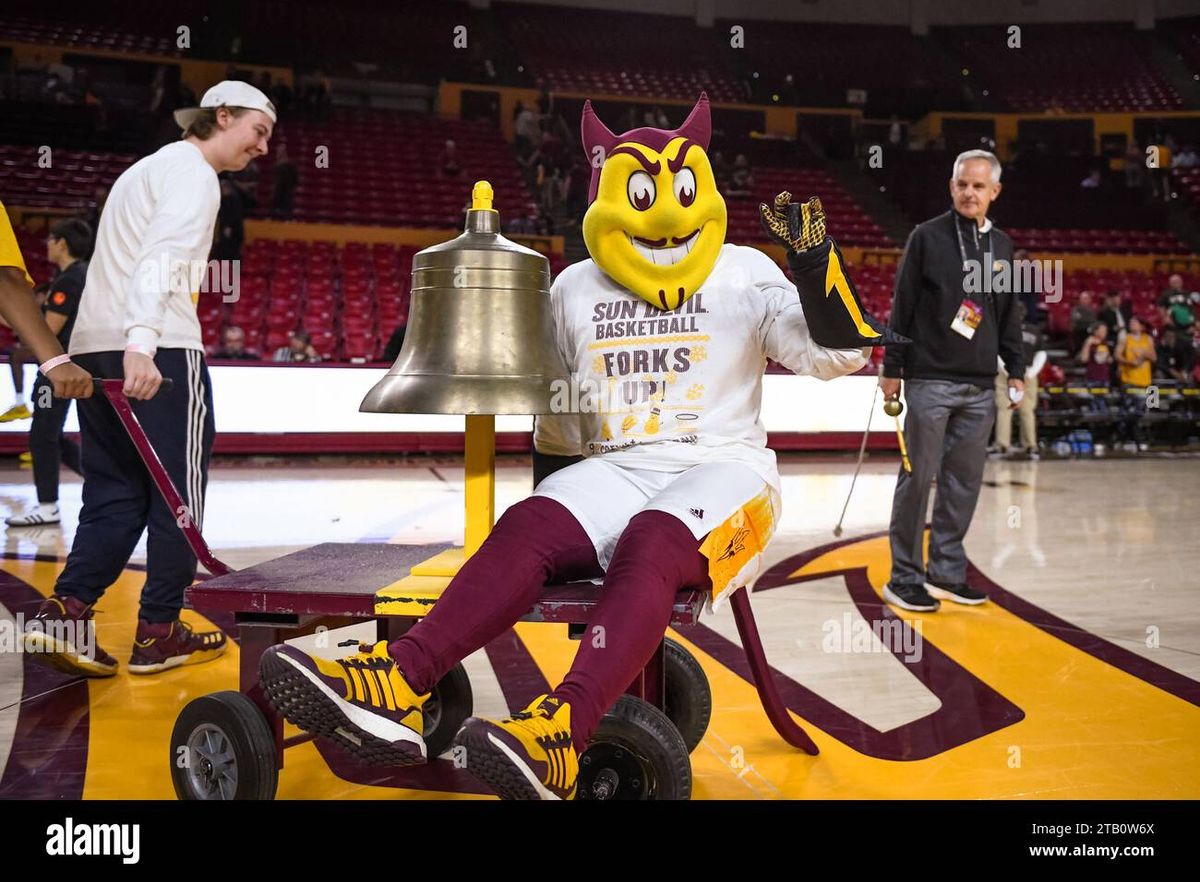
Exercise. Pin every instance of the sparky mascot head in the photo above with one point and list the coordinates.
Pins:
(656, 222)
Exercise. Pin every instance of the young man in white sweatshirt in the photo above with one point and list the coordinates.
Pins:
(137, 319)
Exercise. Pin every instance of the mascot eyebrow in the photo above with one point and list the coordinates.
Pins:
(673, 165)
(652, 167)
(676, 164)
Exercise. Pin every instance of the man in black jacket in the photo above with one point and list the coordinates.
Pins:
(946, 300)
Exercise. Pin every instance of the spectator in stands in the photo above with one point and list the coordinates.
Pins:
(525, 226)
(550, 189)
(741, 180)
(1136, 355)
(1179, 314)
(1096, 355)
(448, 163)
(1034, 355)
(629, 119)
(655, 118)
(1034, 311)
(1135, 166)
(1083, 316)
(99, 110)
(721, 171)
(395, 343)
(281, 96)
(1175, 361)
(528, 132)
(1160, 172)
(99, 197)
(1175, 305)
(318, 92)
(287, 177)
(299, 349)
(233, 346)
(1186, 158)
(245, 182)
(1115, 314)
(551, 145)
(231, 225)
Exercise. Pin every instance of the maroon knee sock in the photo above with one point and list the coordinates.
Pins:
(655, 557)
(536, 541)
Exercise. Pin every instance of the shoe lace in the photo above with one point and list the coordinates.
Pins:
(542, 725)
(364, 658)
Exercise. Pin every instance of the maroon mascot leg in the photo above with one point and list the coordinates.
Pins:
(655, 557)
(536, 541)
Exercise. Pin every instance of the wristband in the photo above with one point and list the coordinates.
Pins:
(137, 347)
(53, 363)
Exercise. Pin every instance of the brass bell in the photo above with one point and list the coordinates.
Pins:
(480, 336)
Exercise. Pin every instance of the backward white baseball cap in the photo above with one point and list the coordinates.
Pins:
(229, 93)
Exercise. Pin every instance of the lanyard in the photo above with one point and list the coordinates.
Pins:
(962, 250)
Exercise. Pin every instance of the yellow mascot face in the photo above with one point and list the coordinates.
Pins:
(656, 223)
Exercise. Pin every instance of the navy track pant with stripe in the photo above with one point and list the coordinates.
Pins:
(119, 498)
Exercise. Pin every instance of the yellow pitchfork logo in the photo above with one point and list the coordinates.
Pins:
(835, 277)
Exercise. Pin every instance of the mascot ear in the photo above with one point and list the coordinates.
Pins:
(594, 133)
(598, 142)
(698, 126)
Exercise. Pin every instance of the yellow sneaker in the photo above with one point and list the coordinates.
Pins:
(528, 756)
(361, 701)
(16, 412)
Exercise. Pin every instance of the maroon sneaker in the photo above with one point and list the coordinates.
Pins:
(62, 635)
(159, 647)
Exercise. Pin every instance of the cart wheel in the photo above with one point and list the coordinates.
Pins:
(636, 753)
(222, 748)
(688, 699)
(446, 709)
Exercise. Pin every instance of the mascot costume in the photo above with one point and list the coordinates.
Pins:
(670, 329)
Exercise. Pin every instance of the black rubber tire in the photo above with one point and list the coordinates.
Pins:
(449, 704)
(636, 753)
(235, 727)
(688, 697)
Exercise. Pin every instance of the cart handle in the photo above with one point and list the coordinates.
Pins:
(112, 390)
(101, 384)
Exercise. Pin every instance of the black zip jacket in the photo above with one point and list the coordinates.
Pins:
(930, 287)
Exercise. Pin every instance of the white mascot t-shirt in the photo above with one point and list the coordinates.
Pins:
(666, 391)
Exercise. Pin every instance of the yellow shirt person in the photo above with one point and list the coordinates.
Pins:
(1135, 356)
(10, 252)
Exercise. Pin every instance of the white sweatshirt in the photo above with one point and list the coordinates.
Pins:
(155, 234)
(680, 388)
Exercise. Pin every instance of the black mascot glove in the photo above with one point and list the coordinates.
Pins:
(835, 314)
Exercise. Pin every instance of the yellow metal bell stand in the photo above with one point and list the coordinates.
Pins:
(479, 462)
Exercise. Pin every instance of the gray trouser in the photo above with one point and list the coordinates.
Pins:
(947, 432)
